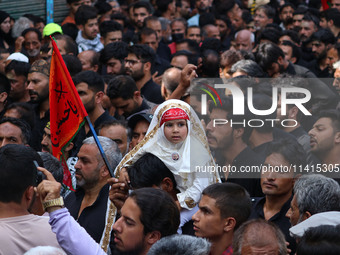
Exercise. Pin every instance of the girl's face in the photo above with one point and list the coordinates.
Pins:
(175, 130)
(6, 25)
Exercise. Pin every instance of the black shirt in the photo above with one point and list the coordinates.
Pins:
(152, 92)
(278, 219)
(246, 160)
(92, 218)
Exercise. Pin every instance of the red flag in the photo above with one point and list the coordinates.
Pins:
(67, 112)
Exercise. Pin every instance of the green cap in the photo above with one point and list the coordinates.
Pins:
(52, 28)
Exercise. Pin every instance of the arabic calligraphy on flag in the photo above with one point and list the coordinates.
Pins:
(67, 112)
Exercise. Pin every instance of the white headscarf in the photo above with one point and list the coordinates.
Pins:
(181, 158)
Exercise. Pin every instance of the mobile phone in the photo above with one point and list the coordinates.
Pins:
(39, 174)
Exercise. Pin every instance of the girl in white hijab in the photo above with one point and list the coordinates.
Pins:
(176, 136)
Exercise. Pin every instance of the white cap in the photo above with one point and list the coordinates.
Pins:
(18, 57)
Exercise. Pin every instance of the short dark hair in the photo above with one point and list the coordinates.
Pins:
(71, 30)
(91, 78)
(334, 115)
(292, 34)
(24, 127)
(147, 32)
(109, 26)
(311, 17)
(110, 123)
(268, 10)
(17, 171)
(143, 4)
(290, 149)
(32, 29)
(25, 111)
(73, 64)
(102, 7)
(19, 68)
(323, 239)
(287, 4)
(269, 34)
(267, 54)
(143, 52)
(85, 13)
(70, 44)
(334, 15)
(323, 35)
(121, 86)
(117, 50)
(158, 211)
(149, 170)
(295, 49)
(232, 200)
(162, 5)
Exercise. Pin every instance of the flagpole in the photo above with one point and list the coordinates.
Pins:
(99, 146)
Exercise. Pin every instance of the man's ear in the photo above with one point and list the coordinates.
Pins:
(164, 92)
(306, 215)
(238, 132)
(102, 40)
(292, 112)
(293, 60)
(69, 147)
(280, 60)
(147, 66)
(99, 97)
(337, 138)
(104, 172)
(229, 224)
(29, 195)
(136, 94)
(3, 97)
(152, 237)
(81, 27)
(167, 184)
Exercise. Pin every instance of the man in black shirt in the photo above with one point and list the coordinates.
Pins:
(88, 205)
(277, 182)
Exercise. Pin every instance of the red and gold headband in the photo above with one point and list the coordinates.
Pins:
(174, 114)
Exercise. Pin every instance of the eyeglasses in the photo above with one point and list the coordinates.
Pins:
(132, 62)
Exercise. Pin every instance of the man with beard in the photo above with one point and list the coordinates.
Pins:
(227, 142)
(88, 205)
(17, 72)
(90, 87)
(38, 87)
(286, 14)
(138, 65)
(309, 25)
(112, 58)
(272, 60)
(325, 140)
(88, 37)
(32, 43)
(126, 97)
(321, 41)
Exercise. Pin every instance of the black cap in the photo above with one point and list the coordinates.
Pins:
(135, 118)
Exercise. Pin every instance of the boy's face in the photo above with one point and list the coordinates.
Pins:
(90, 29)
(175, 131)
(208, 222)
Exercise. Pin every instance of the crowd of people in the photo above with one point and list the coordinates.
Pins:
(252, 169)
